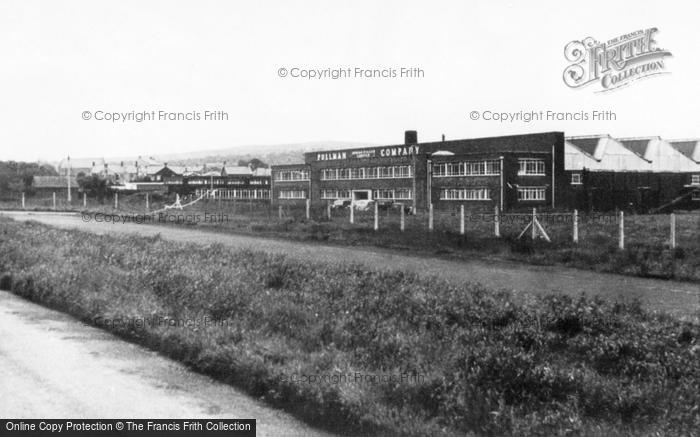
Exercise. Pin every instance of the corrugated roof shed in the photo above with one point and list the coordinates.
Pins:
(689, 148)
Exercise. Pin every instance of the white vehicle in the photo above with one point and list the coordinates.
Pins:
(340, 203)
(363, 205)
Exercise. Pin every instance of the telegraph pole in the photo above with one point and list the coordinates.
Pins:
(69, 199)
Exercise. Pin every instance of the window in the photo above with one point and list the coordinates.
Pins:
(403, 194)
(465, 194)
(335, 194)
(696, 196)
(292, 194)
(575, 178)
(439, 170)
(695, 179)
(329, 174)
(531, 193)
(292, 175)
(402, 171)
(398, 194)
(531, 167)
(469, 168)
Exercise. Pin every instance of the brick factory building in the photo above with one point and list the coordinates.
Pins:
(507, 171)
(543, 170)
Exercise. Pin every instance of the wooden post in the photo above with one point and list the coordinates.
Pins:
(328, 211)
(673, 231)
(575, 235)
(622, 230)
(430, 217)
(376, 215)
(84, 200)
(116, 200)
(403, 219)
(54, 200)
(147, 206)
(534, 227)
(279, 212)
(22, 199)
(352, 211)
(461, 219)
(496, 222)
(308, 209)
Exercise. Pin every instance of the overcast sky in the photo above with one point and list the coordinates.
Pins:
(60, 59)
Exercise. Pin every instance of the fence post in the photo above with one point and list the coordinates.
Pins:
(430, 217)
(622, 229)
(575, 236)
(147, 206)
(496, 222)
(461, 219)
(673, 231)
(376, 216)
(54, 200)
(534, 226)
(328, 211)
(279, 212)
(84, 200)
(308, 209)
(352, 212)
(22, 199)
(403, 219)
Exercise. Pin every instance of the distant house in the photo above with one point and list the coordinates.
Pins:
(85, 166)
(44, 186)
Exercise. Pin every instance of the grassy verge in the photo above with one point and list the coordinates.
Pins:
(432, 359)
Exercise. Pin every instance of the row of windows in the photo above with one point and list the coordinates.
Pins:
(469, 168)
(465, 194)
(292, 194)
(398, 194)
(531, 193)
(234, 194)
(292, 175)
(531, 167)
(335, 194)
(390, 172)
(229, 182)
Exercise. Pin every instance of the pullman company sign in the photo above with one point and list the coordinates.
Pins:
(380, 152)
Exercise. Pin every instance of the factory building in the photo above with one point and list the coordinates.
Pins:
(641, 174)
(517, 172)
(511, 172)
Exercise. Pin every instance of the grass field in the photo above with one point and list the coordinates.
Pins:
(647, 250)
(433, 359)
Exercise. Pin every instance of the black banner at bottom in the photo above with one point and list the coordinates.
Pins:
(127, 427)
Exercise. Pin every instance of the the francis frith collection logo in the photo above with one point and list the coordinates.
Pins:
(615, 63)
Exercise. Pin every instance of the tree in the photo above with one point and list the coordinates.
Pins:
(93, 186)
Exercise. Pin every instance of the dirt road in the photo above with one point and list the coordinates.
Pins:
(680, 298)
(54, 366)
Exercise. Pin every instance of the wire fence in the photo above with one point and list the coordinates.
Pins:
(613, 228)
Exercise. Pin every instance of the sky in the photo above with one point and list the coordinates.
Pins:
(61, 59)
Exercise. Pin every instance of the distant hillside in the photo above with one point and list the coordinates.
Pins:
(270, 154)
